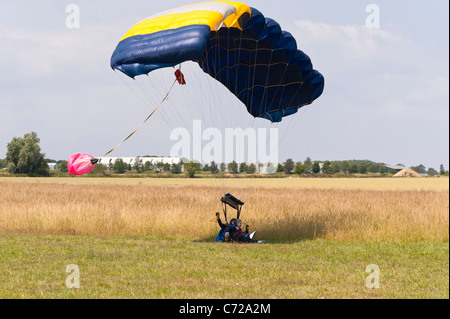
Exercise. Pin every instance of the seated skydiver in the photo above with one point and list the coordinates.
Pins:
(224, 229)
(238, 235)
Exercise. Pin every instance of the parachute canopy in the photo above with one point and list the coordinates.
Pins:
(235, 44)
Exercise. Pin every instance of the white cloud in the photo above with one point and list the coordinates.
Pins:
(36, 54)
(376, 67)
(349, 41)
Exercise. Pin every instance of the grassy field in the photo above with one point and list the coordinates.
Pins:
(152, 238)
(140, 267)
(441, 183)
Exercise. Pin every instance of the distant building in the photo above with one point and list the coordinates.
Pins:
(132, 160)
(397, 168)
(53, 166)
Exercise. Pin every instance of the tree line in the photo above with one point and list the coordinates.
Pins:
(24, 156)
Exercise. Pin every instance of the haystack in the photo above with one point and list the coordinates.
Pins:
(407, 172)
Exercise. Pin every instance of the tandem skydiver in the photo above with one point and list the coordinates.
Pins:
(234, 232)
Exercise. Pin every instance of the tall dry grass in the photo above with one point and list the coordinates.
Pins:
(188, 211)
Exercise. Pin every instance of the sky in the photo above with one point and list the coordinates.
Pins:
(386, 94)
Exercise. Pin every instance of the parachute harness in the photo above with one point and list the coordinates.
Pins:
(178, 74)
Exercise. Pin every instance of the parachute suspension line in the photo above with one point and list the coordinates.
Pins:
(213, 101)
(148, 117)
(291, 125)
(147, 94)
(188, 99)
(132, 90)
(213, 98)
(156, 87)
(217, 64)
(210, 98)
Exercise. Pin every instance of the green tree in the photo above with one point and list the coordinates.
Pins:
(419, 169)
(176, 168)
(233, 167)
(362, 169)
(191, 168)
(251, 169)
(335, 167)
(299, 168)
(382, 168)
(138, 166)
(289, 166)
(23, 156)
(345, 167)
(159, 166)
(372, 168)
(120, 166)
(354, 169)
(316, 168)
(243, 168)
(280, 168)
(308, 165)
(442, 169)
(148, 166)
(63, 166)
(326, 168)
(223, 167)
(99, 169)
(214, 168)
(432, 172)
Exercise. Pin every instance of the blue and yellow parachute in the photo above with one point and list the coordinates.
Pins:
(235, 44)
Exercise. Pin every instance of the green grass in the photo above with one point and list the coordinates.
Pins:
(126, 267)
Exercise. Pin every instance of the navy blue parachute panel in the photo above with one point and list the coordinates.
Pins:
(262, 66)
(142, 54)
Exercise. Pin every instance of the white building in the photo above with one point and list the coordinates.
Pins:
(132, 160)
(53, 166)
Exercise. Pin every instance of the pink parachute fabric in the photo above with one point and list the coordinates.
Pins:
(80, 164)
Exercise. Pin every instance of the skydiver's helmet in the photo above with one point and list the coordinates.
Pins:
(233, 221)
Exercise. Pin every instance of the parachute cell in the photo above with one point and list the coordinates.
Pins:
(235, 44)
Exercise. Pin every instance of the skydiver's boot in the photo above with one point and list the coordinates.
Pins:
(227, 236)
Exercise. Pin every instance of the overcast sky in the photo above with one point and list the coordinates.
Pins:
(386, 96)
